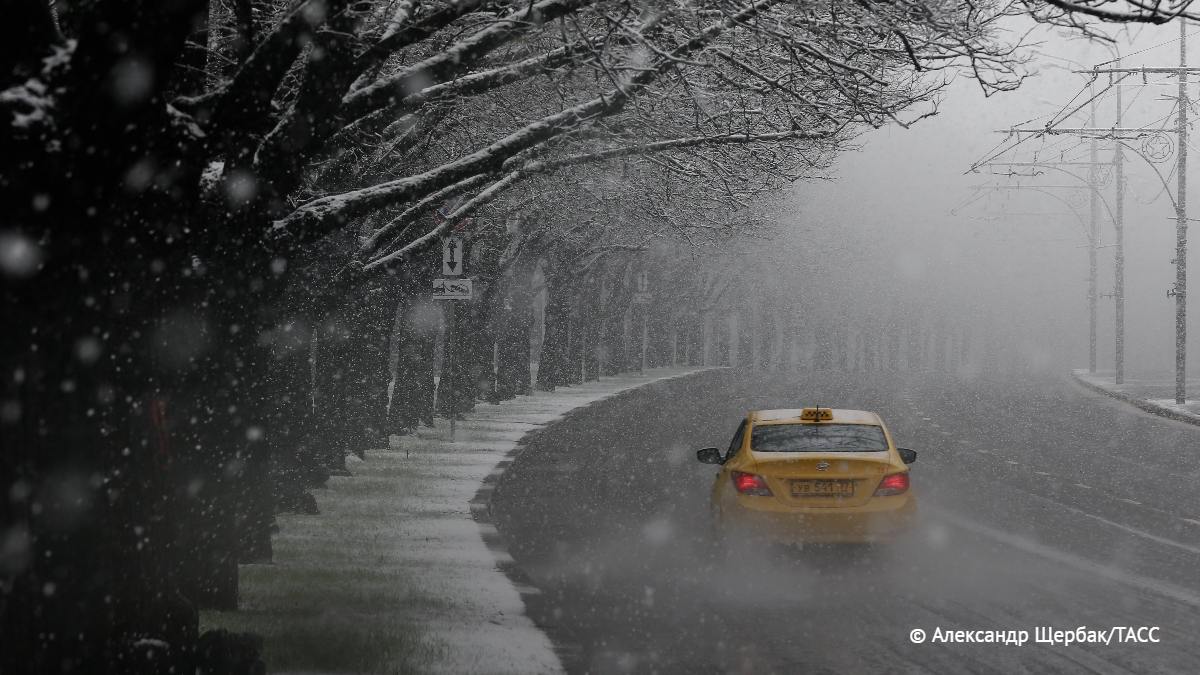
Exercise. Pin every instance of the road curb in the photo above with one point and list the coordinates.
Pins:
(1139, 403)
(481, 503)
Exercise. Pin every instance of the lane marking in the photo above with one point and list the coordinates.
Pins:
(1133, 530)
(1164, 588)
(1041, 473)
(1191, 520)
(1012, 462)
(1085, 487)
(1129, 501)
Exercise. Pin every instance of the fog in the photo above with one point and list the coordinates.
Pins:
(918, 224)
(592, 336)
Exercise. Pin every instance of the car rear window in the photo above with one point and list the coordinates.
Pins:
(817, 437)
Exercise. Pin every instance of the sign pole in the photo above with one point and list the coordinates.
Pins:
(452, 286)
(450, 368)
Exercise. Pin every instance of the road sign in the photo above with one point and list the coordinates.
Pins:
(452, 256)
(1157, 147)
(452, 289)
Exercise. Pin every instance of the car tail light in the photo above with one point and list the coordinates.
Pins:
(893, 484)
(750, 484)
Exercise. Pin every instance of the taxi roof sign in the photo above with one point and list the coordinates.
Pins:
(816, 414)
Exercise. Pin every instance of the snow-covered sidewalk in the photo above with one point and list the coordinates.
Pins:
(394, 575)
(1154, 395)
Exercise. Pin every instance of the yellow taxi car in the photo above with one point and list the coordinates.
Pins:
(813, 475)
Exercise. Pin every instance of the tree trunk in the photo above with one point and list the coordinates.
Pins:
(415, 342)
(456, 393)
(413, 386)
(591, 327)
(576, 342)
(554, 360)
(515, 324)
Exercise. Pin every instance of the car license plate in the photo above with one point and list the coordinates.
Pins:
(822, 488)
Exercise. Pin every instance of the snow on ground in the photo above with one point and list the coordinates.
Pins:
(394, 575)
(1154, 395)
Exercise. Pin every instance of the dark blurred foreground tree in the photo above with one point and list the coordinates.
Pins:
(201, 198)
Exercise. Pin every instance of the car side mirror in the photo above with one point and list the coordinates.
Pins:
(908, 456)
(709, 456)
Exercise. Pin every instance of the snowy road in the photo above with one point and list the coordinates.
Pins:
(1043, 506)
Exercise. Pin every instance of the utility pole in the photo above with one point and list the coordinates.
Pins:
(1093, 242)
(1119, 255)
(1180, 289)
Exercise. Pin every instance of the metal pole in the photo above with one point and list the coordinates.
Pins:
(645, 336)
(450, 366)
(1181, 229)
(1119, 262)
(1093, 242)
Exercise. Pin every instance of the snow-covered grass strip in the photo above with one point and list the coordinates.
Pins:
(395, 575)
(1128, 392)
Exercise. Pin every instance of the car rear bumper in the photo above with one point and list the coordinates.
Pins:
(881, 520)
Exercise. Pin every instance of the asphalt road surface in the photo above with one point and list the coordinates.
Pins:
(1042, 506)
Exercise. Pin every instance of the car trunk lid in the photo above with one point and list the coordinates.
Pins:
(831, 480)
